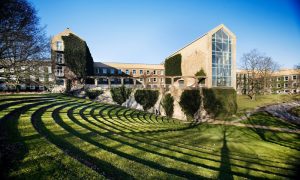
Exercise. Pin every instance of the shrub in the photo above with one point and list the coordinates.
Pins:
(168, 105)
(220, 102)
(92, 94)
(190, 102)
(120, 94)
(201, 73)
(146, 98)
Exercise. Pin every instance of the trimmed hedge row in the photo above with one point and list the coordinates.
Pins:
(217, 102)
(190, 102)
(220, 102)
(120, 94)
(93, 94)
(168, 104)
(147, 98)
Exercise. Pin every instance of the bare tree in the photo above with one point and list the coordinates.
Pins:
(259, 69)
(22, 39)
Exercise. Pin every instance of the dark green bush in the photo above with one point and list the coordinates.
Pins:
(201, 73)
(146, 98)
(190, 102)
(168, 104)
(120, 94)
(220, 102)
(92, 94)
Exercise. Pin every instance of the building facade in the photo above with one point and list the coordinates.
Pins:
(284, 81)
(215, 53)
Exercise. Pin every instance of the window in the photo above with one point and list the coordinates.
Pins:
(141, 79)
(41, 87)
(49, 69)
(119, 71)
(104, 71)
(294, 77)
(286, 78)
(32, 87)
(278, 85)
(141, 72)
(127, 71)
(59, 58)
(278, 79)
(23, 86)
(134, 71)
(59, 45)
(112, 71)
(154, 72)
(154, 80)
(221, 59)
(149, 79)
(162, 80)
(148, 72)
(286, 85)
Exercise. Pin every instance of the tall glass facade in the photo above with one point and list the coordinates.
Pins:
(221, 59)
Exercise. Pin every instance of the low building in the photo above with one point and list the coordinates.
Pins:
(280, 82)
(28, 75)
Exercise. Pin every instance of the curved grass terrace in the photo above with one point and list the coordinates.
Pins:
(55, 136)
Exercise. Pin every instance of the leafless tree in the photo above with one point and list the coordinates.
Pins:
(22, 39)
(259, 69)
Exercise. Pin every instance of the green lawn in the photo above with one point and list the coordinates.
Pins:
(59, 137)
(245, 103)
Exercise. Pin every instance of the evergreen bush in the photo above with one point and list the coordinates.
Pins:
(190, 102)
(93, 94)
(120, 94)
(220, 102)
(201, 73)
(168, 104)
(147, 98)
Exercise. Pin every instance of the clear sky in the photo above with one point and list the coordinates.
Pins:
(147, 31)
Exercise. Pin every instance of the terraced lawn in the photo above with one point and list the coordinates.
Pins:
(59, 137)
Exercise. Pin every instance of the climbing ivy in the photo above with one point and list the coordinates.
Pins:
(77, 56)
(173, 67)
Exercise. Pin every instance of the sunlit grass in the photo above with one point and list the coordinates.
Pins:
(62, 137)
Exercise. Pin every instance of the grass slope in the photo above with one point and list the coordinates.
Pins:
(54, 136)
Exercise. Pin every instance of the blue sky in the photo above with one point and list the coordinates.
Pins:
(147, 31)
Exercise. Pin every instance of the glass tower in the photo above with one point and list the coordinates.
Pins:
(221, 59)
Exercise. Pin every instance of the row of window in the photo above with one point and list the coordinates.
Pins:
(286, 85)
(140, 80)
(23, 68)
(22, 87)
(127, 71)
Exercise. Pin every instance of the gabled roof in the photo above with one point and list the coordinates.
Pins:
(214, 30)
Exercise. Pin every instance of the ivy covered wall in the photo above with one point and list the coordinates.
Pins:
(173, 66)
(77, 56)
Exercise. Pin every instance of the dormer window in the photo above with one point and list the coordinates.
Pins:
(59, 45)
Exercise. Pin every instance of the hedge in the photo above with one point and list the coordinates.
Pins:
(93, 94)
(190, 102)
(168, 104)
(146, 98)
(220, 102)
(173, 67)
(120, 94)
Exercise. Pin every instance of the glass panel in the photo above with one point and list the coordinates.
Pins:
(221, 59)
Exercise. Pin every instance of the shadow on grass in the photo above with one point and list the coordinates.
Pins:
(12, 146)
(105, 168)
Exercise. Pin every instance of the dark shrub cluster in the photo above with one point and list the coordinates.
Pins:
(120, 94)
(92, 94)
(220, 102)
(168, 104)
(190, 102)
(146, 98)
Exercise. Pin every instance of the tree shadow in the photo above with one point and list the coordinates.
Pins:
(225, 167)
